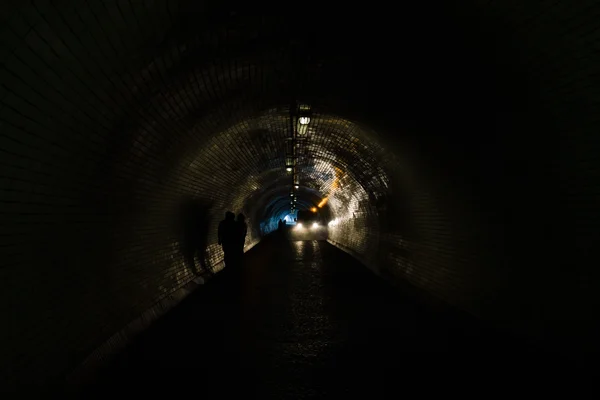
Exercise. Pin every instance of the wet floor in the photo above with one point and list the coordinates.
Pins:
(305, 320)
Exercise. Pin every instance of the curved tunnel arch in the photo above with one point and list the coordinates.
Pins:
(114, 116)
(249, 157)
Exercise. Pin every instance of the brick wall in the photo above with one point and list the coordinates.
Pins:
(456, 146)
(490, 203)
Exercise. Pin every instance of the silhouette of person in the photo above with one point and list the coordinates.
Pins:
(280, 225)
(240, 233)
(227, 238)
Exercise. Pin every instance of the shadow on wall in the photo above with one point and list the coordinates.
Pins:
(193, 228)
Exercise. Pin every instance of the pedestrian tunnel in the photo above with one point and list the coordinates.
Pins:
(449, 149)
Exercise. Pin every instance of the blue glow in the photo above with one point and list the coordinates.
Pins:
(271, 224)
(278, 207)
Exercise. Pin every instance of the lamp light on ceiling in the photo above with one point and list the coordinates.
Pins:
(304, 120)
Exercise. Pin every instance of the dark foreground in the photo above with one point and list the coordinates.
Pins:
(305, 320)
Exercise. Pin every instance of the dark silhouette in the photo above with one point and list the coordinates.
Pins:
(227, 238)
(240, 234)
(194, 225)
(280, 225)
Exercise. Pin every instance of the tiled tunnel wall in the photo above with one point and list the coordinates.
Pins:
(457, 150)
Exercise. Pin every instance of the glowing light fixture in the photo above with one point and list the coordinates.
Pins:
(323, 202)
(299, 225)
(296, 186)
(315, 225)
(289, 169)
(304, 120)
(313, 209)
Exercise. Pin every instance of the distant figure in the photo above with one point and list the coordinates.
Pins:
(280, 225)
(240, 232)
(227, 238)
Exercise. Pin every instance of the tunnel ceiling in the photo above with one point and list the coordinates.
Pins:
(257, 152)
(211, 99)
(215, 96)
(198, 98)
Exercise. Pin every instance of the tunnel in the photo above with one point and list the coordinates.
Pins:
(448, 147)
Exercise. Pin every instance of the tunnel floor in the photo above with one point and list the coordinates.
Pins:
(304, 320)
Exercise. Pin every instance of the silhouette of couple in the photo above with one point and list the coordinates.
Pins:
(232, 235)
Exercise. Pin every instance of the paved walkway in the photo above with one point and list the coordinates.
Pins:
(303, 320)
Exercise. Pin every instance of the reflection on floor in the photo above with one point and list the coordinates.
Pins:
(305, 320)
